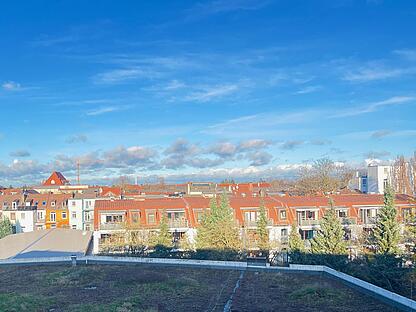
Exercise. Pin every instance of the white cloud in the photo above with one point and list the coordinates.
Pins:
(106, 109)
(20, 153)
(77, 138)
(407, 54)
(308, 89)
(211, 93)
(124, 74)
(222, 6)
(11, 86)
(174, 84)
(373, 107)
(375, 72)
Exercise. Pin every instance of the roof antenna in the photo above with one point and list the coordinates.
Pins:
(78, 173)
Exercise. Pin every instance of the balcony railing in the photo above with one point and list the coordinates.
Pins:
(111, 226)
(253, 223)
(348, 221)
(369, 220)
(177, 223)
(308, 222)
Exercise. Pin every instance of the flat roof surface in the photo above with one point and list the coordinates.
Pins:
(45, 243)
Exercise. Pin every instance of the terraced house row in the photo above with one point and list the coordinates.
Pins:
(357, 212)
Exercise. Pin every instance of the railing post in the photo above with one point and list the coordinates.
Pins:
(74, 260)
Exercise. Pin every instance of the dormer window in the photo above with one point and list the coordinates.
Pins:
(14, 205)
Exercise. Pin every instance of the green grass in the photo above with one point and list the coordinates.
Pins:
(12, 302)
(316, 294)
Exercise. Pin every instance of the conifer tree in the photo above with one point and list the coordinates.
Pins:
(218, 230)
(387, 229)
(5, 227)
(163, 237)
(262, 231)
(296, 243)
(330, 238)
(205, 230)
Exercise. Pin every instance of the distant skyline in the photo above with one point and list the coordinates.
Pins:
(203, 90)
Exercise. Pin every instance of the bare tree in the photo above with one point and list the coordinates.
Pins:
(324, 176)
(404, 175)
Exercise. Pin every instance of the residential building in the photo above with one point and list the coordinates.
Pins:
(81, 211)
(378, 177)
(357, 213)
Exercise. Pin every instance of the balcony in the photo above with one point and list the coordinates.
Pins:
(369, 220)
(284, 239)
(308, 222)
(253, 223)
(177, 223)
(111, 226)
(348, 221)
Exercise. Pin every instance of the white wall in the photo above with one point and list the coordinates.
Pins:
(81, 207)
(75, 209)
(376, 177)
(24, 220)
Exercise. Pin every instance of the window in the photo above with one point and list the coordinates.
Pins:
(151, 218)
(342, 213)
(199, 215)
(250, 216)
(14, 205)
(74, 215)
(283, 232)
(87, 216)
(40, 215)
(74, 227)
(385, 183)
(283, 214)
(113, 218)
(53, 216)
(87, 227)
(73, 203)
(36, 203)
(44, 203)
(53, 204)
(135, 217)
(63, 214)
(53, 226)
(22, 216)
(13, 216)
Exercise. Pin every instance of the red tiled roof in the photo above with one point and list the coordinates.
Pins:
(56, 178)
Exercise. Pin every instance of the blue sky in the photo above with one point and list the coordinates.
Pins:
(203, 89)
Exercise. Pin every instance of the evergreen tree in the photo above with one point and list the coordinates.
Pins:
(5, 227)
(163, 237)
(387, 229)
(218, 230)
(296, 243)
(205, 230)
(262, 231)
(330, 238)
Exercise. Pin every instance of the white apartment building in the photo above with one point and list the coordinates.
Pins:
(23, 218)
(378, 177)
(373, 181)
(81, 212)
